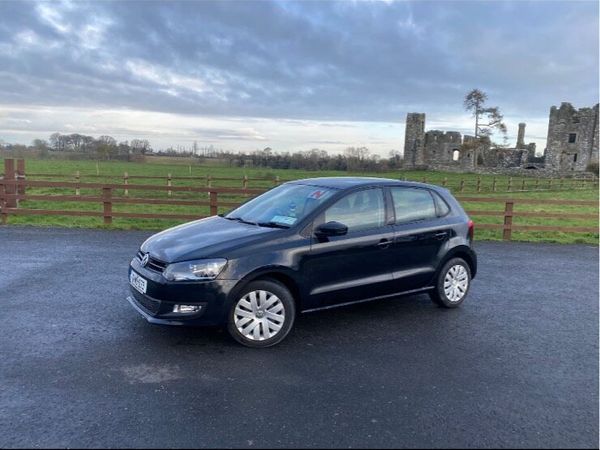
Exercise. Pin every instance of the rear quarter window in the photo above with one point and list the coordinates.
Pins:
(440, 204)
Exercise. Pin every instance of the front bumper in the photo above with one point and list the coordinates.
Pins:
(156, 305)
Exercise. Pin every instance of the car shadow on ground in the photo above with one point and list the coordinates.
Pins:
(358, 322)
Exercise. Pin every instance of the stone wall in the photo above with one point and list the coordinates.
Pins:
(572, 138)
(440, 147)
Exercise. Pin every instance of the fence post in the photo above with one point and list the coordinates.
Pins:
(126, 182)
(20, 175)
(462, 185)
(478, 184)
(3, 213)
(537, 183)
(494, 184)
(209, 182)
(509, 187)
(107, 204)
(77, 180)
(277, 180)
(584, 182)
(508, 218)
(97, 168)
(424, 179)
(445, 181)
(214, 203)
(523, 184)
(245, 182)
(550, 183)
(560, 186)
(169, 183)
(9, 174)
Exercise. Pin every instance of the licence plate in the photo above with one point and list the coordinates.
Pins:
(139, 283)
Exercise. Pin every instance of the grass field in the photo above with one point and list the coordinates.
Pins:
(113, 172)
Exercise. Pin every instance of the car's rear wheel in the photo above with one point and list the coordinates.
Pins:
(453, 283)
(262, 314)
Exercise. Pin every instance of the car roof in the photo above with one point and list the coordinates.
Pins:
(350, 182)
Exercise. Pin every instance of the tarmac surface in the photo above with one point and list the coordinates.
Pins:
(515, 366)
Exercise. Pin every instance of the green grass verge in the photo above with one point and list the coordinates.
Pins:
(113, 172)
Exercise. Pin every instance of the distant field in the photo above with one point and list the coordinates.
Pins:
(114, 171)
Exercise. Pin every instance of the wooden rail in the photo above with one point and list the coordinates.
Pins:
(12, 191)
(168, 179)
(510, 184)
(9, 197)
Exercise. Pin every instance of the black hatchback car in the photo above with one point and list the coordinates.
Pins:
(304, 246)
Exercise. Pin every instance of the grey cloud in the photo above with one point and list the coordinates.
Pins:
(299, 60)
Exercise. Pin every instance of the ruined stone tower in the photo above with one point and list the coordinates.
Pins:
(572, 138)
(521, 136)
(414, 141)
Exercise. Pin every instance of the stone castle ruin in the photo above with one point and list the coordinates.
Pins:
(572, 145)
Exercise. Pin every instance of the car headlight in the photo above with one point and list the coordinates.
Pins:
(202, 269)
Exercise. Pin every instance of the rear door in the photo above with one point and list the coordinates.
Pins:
(419, 234)
(355, 266)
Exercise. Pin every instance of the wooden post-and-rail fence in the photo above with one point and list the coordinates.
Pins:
(9, 196)
(13, 190)
(462, 185)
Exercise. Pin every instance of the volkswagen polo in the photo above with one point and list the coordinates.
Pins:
(303, 246)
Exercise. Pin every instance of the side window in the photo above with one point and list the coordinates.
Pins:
(361, 210)
(441, 205)
(411, 204)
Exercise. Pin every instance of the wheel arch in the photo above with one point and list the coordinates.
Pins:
(463, 252)
(279, 274)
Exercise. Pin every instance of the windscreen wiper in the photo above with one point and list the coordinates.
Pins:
(272, 225)
(239, 219)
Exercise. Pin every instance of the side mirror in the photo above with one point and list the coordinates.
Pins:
(331, 229)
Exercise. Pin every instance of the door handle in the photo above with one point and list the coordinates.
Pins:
(384, 243)
(441, 235)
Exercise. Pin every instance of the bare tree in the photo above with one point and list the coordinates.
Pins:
(140, 146)
(487, 120)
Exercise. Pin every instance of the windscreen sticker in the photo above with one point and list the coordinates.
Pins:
(286, 220)
(317, 195)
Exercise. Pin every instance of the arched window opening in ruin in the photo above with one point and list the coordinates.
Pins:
(455, 155)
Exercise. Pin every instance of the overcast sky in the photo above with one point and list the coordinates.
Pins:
(244, 75)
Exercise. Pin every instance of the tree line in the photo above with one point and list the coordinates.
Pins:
(352, 158)
(107, 148)
(103, 147)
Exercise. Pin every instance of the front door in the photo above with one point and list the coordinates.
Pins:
(356, 266)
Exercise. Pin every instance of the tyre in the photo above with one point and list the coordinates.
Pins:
(452, 284)
(262, 315)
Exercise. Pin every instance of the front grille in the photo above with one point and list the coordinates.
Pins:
(152, 306)
(153, 264)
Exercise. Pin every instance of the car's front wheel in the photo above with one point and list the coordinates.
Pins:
(262, 314)
(453, 283)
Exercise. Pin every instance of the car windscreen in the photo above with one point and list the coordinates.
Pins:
(282, 206)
